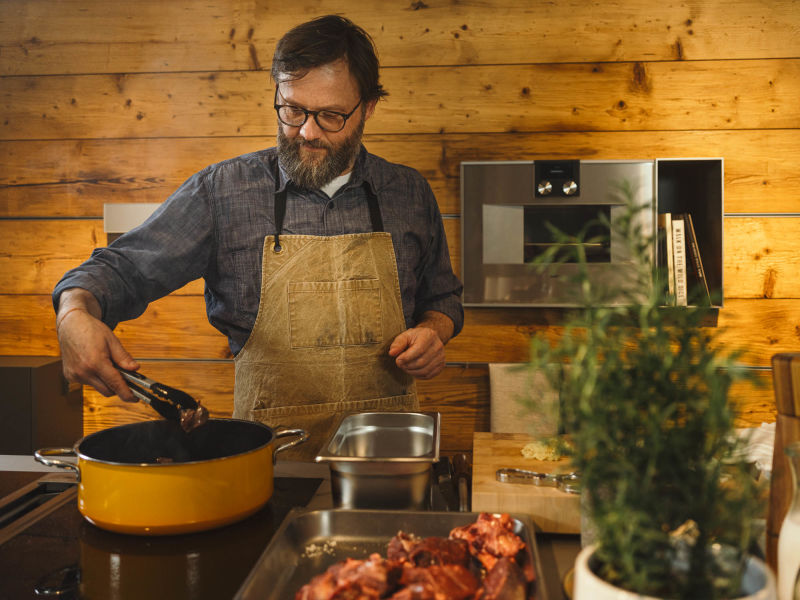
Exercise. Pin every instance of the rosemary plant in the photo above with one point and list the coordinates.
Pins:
(644, 403)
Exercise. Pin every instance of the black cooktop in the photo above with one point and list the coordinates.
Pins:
(65, 556)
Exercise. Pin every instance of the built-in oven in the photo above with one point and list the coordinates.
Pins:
(509, 210)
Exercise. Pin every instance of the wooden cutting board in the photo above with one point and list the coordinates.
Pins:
(551, 509)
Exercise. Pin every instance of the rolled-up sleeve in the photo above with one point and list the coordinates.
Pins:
(171, 248)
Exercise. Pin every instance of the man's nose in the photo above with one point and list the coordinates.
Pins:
(310, 130)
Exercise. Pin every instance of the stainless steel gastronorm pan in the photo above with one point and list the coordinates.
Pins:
(382, 460)
(307, 543)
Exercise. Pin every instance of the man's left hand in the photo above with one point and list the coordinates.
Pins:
(419, 351)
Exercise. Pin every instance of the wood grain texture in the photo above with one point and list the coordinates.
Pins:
(34, 255)
(121, 102)
(552, 510)
(210, 382)
(754, 401)
(459, 393)
(45, 37)
(74, 178)
(786, 383)
(759, 258)
(175, 328)
(746, 94)
(787, 430)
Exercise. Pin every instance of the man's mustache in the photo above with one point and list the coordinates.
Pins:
(312, 143)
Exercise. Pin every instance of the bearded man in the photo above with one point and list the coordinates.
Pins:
(325, 266)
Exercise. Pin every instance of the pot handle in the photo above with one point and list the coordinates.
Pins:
(41, 454)
(303, 436)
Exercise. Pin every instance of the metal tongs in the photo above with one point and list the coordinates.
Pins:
(165, 400)
(566, 482)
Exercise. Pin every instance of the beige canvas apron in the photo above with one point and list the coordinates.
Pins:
(329, 309)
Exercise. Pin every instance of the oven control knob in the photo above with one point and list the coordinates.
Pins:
(544, 187)
(569, 187)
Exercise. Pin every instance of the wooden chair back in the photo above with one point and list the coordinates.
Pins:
(786, 380)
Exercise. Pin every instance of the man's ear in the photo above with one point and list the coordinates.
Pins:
(370, 108)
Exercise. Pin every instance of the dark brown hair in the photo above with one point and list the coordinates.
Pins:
(324, 40)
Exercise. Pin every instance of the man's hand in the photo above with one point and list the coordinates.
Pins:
(89, 348)
(419, 351)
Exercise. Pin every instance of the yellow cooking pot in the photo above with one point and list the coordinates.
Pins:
(152, 478)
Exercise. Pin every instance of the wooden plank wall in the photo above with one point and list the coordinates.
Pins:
(121, 101)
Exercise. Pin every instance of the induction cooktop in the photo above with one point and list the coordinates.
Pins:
(60, 554)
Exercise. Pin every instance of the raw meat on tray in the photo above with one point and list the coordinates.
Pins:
(479, 561)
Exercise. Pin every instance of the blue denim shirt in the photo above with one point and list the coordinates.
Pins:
(214, 226)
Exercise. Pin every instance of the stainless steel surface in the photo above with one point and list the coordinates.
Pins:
(503, 235)
(42, 456)
(566, 482)
(23, 463)
(385, 436)
(443, 481)
(165, 400)
(463, 495)
(302, 436)
(504, 209)
(383, 459)
(463, 475)
(309, 542)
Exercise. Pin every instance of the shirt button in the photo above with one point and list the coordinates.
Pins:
(331, 205)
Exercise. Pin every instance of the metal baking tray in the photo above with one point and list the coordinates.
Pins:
(308, 542)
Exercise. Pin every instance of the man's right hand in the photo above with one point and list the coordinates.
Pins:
(89, 349)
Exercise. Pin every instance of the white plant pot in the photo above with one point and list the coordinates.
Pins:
(758, 582)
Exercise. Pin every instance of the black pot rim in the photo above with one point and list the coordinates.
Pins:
(140, 424)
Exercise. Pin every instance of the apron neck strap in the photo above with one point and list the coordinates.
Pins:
(374, 208)
(280, 210)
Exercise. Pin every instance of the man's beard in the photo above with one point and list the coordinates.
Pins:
(313, 172)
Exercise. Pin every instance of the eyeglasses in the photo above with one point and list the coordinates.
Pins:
(328, 120)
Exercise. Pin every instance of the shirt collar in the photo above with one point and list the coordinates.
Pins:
(362, 174)
(283, 179)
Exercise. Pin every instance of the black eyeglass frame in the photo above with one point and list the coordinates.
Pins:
(315, 113)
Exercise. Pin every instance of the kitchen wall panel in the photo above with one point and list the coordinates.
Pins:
(120, 102)
(44, 249)
(74, 178)
(639, 96)
(173, 329)
(461, 392)
(47, 37)
(760, 260)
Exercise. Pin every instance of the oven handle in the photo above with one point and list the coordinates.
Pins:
(41, 454)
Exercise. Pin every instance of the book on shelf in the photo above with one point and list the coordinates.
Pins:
(667, 265)
(697, 277)
(679, 260)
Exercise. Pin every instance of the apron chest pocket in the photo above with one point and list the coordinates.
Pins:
(335, 313)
